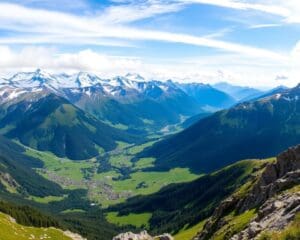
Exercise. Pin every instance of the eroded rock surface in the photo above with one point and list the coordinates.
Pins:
(142, 236)
(275, 214)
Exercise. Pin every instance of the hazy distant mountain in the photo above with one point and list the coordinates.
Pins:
(238, 92)
(207, 95)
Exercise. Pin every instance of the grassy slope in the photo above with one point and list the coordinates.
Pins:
(10, 230)
(187, 233)
(234, 224)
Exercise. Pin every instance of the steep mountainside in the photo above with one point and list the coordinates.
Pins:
(256, 129)
(51, 123)
(17, 176)
(192, 120)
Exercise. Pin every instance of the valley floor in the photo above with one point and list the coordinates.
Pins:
(118, 177)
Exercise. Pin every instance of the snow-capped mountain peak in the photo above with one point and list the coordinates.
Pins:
(135, 77)
(37, 78)
(89, 84)
(85, 79)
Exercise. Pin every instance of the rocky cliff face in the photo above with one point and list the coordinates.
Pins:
(282, 174)
(142, 236)
(276, 207)
(274, 215)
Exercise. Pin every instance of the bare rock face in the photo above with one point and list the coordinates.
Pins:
(142, 236)
(275, 214)
(132, 236)
(275, 211)
(74, 236)
(282, 174)
(165, 236)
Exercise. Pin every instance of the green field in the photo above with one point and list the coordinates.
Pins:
(150, 182)
(144, 163)
(63, 166)
(47, 199)
(11, 230)
(137, 220)
(73, 211)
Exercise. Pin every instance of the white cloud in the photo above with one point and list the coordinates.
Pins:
(30, 58)
(55, 27)
(265, 25)
(295, 63)
(53, 4)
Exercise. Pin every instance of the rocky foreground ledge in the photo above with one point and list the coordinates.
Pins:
(142, 236)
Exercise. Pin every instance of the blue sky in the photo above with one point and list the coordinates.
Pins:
(248, 42)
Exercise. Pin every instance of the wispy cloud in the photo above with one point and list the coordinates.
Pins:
(54, 27)
(289, 10)
(245, 5)
(265, 25)
(137, 10)
(62, 5)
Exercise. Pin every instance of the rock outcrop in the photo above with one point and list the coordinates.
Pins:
(275, 208)
(282, 174)
(274, 215)
(74, 236)
(142, 236)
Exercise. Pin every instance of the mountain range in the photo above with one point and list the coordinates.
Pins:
(50, 112)
(125, 101)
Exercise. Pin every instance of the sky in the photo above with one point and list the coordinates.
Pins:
(244, 42)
